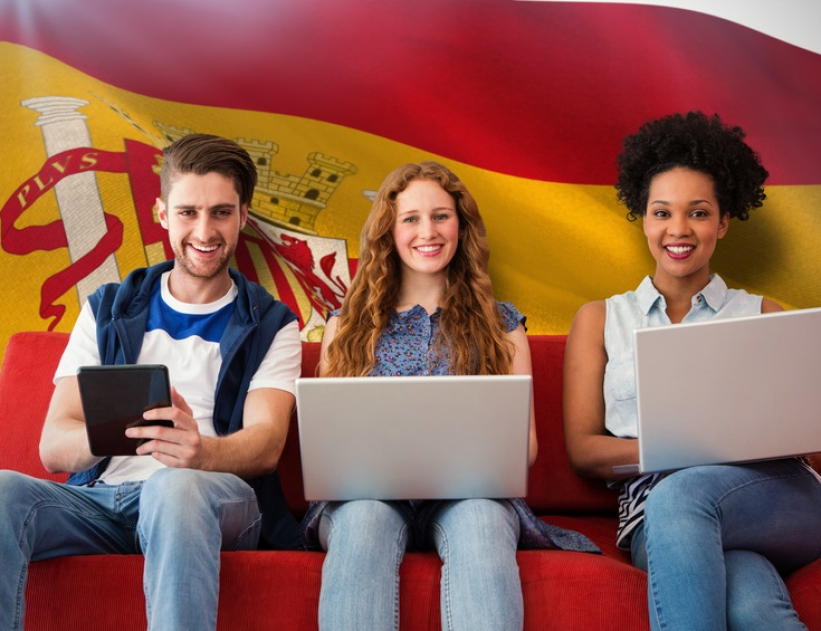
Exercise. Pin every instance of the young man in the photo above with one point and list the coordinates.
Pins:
(208, 483)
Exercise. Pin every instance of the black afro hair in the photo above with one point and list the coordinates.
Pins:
(698, 142)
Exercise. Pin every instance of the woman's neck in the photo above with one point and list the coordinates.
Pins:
(425, 291)
(678, 293)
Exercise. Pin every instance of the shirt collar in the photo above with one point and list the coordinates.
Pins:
(714, 294)
(648, 296)
(417, 311)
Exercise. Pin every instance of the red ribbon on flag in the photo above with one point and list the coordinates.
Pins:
(52, 236)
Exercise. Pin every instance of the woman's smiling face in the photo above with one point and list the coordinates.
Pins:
(426, 227)
(683, 223)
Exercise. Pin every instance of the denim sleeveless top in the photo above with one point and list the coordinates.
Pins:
(642, 308)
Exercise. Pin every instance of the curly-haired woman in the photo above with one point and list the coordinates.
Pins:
(422, 303)
(713, 539)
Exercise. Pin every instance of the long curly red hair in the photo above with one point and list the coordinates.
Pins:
(470, 325)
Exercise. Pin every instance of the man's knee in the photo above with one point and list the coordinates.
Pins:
(9, 480)
(175, 493)
(15, 487)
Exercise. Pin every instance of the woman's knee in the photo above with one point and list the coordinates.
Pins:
(481, 524)
(757, 597)
(361, 525)
(682, 492)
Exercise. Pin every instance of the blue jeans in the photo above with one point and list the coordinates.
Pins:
(715, 541)
(365, 541)
(179, 518)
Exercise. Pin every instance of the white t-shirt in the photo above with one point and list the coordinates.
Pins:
(185, 337)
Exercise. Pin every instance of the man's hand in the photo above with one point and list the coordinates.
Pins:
(180, 446)
(250, 452)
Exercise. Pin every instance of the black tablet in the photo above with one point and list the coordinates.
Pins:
(115, 398)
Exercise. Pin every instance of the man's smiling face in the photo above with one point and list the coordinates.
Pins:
(203, 216)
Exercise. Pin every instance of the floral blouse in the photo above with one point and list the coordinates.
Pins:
(407, 345)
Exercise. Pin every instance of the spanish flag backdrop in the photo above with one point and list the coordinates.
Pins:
(526, 101)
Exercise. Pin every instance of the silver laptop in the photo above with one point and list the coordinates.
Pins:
(414, 437)
(724, 391)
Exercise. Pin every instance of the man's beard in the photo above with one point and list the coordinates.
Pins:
(201, 270)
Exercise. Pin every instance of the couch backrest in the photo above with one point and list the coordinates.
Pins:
(553, 487)
(25, 391)
(26, 386)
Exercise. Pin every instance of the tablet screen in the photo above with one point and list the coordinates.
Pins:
(115, 398)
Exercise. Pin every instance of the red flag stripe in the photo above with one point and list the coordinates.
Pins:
(539, 90)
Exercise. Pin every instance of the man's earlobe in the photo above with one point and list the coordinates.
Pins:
(162, 214)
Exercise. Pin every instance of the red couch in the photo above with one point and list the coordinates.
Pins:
(280, 590)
